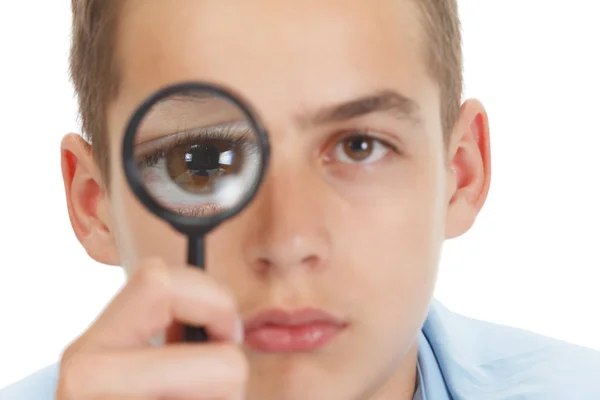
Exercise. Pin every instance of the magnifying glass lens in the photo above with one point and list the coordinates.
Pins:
(197, 154)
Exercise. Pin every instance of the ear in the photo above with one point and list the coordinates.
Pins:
(87, 200)
(469, 168)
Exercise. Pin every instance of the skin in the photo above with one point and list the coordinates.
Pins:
(361, 240)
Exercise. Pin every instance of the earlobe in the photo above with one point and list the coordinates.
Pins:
(87, 200)
(469, 168)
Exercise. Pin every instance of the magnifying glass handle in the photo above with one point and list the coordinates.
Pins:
(195, 257)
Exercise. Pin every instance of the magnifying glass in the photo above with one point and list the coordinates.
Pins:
(195, 155)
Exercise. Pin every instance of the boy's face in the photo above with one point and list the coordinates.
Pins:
(355, 232)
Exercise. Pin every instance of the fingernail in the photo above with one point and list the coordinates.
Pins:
(239, 332)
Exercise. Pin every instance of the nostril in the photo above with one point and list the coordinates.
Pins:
(311, 261)
(262, 266)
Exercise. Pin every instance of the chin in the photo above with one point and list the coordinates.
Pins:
(296, 377)
(325, 387)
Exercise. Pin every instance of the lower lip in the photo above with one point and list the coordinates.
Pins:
(288, 339)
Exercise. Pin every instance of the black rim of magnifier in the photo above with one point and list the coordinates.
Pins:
(185, 224)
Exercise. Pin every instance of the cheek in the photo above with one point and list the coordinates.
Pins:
(394, 245)
(403, 223)
(140, 234)
(393, 253)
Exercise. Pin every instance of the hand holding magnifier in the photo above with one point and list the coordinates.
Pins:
(195, 155)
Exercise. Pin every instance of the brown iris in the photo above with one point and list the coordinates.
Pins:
(358, 148)
(195, 167)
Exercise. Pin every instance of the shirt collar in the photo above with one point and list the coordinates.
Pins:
(432, 385)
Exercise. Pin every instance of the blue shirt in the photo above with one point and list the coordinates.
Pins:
(459, 359)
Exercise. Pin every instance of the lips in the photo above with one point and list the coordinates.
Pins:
(280, 331)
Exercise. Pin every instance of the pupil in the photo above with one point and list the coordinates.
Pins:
(201, 158)
(359, 148)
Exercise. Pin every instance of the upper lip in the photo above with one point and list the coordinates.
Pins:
(299, 317)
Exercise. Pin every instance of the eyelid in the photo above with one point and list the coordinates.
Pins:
(195, 132)
(150, 151)
(371, 134)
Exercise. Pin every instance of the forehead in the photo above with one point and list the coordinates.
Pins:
(280, 54)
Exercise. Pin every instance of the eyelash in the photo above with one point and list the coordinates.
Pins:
(365, 134)
(152, 157)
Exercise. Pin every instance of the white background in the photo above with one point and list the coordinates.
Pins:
(531, 260)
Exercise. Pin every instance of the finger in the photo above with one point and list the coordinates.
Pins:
(155, 297)
(212, 371)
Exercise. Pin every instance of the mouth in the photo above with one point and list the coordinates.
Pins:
(281, 331)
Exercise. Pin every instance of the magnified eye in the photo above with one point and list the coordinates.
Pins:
(196, 173)
(194, 161)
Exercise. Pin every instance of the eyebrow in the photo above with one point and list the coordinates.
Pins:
(190, 95)
(384, 101)
(387, 101)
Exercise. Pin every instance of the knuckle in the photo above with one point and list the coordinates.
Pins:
(214, 292)
(228, 301)
(231, 372)
(221, 297)
(236, 362)
(75, 371)
(71, 350)
(152, 275)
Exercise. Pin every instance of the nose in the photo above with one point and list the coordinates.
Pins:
(288, 228)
